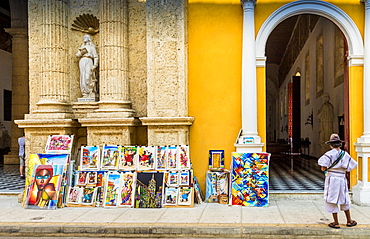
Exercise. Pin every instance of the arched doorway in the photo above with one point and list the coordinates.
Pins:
(290, 83)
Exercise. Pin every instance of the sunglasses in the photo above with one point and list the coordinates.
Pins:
(43, 177)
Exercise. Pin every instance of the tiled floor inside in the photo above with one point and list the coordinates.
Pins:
(295, 173)
(10, 182)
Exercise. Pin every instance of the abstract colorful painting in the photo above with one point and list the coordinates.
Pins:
(59, 144)
(183, 154)
(249, 179)
(90, 158)
(185, 196)
(161, 158)
(149, 190)
(172, 157)
(110, 157)
(43, 192)
(171, 196)
(146, 158)
(127, 189)
(216, 159)
(112, 189)
(128, 158)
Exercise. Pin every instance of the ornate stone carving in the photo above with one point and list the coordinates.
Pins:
(86, 23)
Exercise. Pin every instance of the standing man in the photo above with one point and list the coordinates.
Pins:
(22, 154)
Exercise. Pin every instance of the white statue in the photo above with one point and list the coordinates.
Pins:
(88, 64)
(326, 119)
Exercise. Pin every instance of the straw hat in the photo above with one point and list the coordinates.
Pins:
(334, 138)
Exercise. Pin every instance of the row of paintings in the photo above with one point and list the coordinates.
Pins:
(132, 189)
(117, 157)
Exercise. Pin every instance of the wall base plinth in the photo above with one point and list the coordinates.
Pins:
(361, 193)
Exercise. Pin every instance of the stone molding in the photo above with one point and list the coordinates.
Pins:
(167, 121)
(47, 123)
(105, 122)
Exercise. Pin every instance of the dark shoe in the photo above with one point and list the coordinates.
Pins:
(23, 177)
(333, 225)
(351, 224)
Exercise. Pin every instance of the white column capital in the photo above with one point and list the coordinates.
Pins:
(249, 4)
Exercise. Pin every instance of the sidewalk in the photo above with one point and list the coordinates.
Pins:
(303, 218)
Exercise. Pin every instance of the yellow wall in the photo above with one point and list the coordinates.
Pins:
(215, 46)
(215, 43)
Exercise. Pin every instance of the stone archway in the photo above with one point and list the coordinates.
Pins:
(321, 8)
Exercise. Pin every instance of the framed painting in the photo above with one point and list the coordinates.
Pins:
(149, 190)
(171, 194)
(91, 178)
(216, 159)
(146, 158)
(249, 179)
(81, 178)
(173, 179)
(161, 158)
(112, 190)
(88, 196)
(183, 157)
(90, 158)
(127, 189)
(74, 195)
(184, 178)
(185, 196)
(110, 157)
(172, 157)
(59, 144)
(128, 158)
(44, 190)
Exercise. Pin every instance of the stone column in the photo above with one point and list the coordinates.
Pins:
(167, 79)
(54, 96)
(248, 139)
(20, 88)
(113, 79)
(361, 191)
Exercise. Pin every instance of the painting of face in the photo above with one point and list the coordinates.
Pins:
(42, 178)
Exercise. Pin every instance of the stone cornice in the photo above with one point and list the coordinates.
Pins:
(98, 122)
(167, 121)
(17, 32)
(47, 123)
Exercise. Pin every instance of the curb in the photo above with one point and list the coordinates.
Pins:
(176, 230)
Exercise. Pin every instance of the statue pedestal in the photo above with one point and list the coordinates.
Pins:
(86, 99)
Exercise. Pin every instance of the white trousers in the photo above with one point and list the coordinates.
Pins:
(333, 208)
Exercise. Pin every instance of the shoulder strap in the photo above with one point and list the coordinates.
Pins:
(340, 156)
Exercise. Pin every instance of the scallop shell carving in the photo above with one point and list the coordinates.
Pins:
(86, 23)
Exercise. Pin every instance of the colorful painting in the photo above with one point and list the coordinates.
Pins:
(161, 158)
(81, 178)
(173, 179)
(171, 196)
(184, 160)
(112, 189)
(90, 158)
(217, 184)
(249, 179)
(59, 144)
(100, 179)
(91, 178)
(185, 196)
(199, 197)
(172, 157)
(88, 196)
(146, 158)
(127, 190)
(128, 158)
(44, 190)
(149, 190)
(216, 159)
(110, 157)
(184, 178)
(74, 195)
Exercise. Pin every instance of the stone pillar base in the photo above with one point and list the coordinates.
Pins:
(11, 158)
(167, 130)
(248, 143)
(114, 131)
(361, 194)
